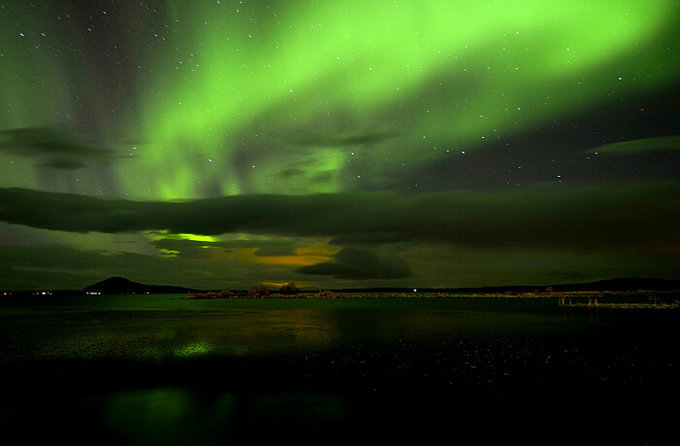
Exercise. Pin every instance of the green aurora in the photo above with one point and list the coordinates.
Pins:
(218, 144)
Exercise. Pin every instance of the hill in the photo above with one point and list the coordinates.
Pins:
(121, 285)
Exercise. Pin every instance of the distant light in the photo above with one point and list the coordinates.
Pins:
(415, 290)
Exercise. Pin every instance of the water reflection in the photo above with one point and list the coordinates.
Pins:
(181, 416)
(258, 332)
(154, 416)
(193, 349)
(246, 327)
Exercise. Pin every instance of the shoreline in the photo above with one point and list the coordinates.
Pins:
(606, 300)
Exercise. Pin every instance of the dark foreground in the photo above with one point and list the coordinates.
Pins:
(552, 378)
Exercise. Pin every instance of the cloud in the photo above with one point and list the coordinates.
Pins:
(639, 146)
(58, 148)
(554, 216)
(64, 164)
(198, 249)
(352, 263)
(171, 241)
(63, 267)
(342, 140)
(276, 250)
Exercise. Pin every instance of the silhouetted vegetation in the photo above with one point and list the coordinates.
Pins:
(259, 290)
(210, 295)
(632, 300)
(289, 289)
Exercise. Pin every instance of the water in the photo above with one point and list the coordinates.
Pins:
(158, 369)
(157, 326)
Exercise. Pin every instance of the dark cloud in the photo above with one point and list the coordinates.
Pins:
(59, 148)
(554, 216)
(671, 143)
(352, 263)
(370, 238)
(341, 140)
(291, 172)
(64, 164)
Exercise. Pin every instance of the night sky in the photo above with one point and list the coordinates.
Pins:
(220, 144)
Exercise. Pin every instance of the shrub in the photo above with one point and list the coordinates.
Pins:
(289, 289)
(208, 295)
(258, 291)
(224, 294)
(325, 294)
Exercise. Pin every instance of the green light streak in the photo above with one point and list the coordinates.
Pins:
(227, 89)
(158, 235)
(230, 77)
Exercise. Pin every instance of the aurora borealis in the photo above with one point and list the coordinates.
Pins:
(219, 144)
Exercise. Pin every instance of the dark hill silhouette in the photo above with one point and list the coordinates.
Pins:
(121, 285)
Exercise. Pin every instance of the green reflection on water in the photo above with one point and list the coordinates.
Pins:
(193, 349)
(168, 416)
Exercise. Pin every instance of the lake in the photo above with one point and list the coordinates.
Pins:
(159, 369)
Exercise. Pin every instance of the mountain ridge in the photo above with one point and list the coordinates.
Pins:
(121, 285)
